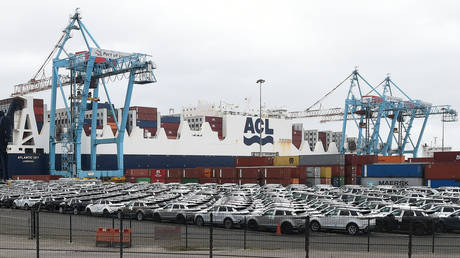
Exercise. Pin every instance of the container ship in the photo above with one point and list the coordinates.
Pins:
(208, 144)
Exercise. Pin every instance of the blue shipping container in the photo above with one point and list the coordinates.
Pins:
(170, 119)
(393, 170)
(146, 124)
(435, 183)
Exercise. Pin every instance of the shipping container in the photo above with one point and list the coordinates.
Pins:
(145, 113)
(228, 181)
(137, 173)
(250, 173)
(447, 156)
(313, 181)
(186, 180)
(278, 172)
(286, 161)
(397, 181)
(313, 172)
(295, 181)
(143, 179)
(249, 181)
(442, 171)
(281, 181)
(326, 172)
(175, 173)
(173, 180)
(393, 170)
(158, 175)
(421, 160)
(228, 173)
(170, 119)
(45, 178)
(253, 161)
(435, 183)
(322, 160)
(325, 181)
(354, 159)
(146, 124)
(390, 159)
(206, 180)
(199, 172)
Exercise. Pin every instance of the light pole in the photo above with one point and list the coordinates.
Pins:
(260, 81)
(443, 119)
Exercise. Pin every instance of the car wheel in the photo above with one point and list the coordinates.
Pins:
(180, 219)
(156, 217)
(315, 226)
(13, 206)
(199, 221)
(105, 213)
(26, 206)
(228, 223)
(286, 228)
(88, 211)
(140, 216)
(75, 211)
(252, 224)
(352, 229)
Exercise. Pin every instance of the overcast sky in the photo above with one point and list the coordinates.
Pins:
(216, 50)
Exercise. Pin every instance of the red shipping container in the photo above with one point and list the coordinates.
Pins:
(248, 181)
(354, 159)
(302, 172)
(153, 131)
(131, 179)
(228, 173)
(302, 181)
(173, 180)
(325, 181)
(254, 161)
(175, 173)
(283, 182)
(351, 180)
(447, 156)
(442, 171)
(249, 173)
(277, 172)
(144, 172)
(208, 180)
(421, 160)
(228, 181)
(158, 175)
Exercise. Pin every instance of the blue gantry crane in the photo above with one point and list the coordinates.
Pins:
(86, 72)
(392, 107)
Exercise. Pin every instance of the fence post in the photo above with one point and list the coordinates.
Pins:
(70, 227)
(210, 236)
(433, 229)
(37, 232)
(121, 236)
(307, 236)
(410, 238)
(32, 224)
(368, 234)
(186, 233)
(113, 222)
(245, 232)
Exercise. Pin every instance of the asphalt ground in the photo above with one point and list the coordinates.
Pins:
(172, 240)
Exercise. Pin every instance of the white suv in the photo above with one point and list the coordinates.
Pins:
(342, 219)
(103, 207)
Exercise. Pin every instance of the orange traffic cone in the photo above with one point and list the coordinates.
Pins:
(278, 229)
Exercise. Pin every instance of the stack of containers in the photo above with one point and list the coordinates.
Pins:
(249, 175)
(330, 166)
(158, 175)
(227, 175)
(137, 175)
(390, 159)
(279, 175)
(404, 174)
(38, 111)
(216, 124)
(445, 171)
(322, 136)
(290, 163)
(174, 175)
(297, 133)
(353, 167)
(200, 174)
(313, 176)
(146, 118)
(171, 125)
(253, 161)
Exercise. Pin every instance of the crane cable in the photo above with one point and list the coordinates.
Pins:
(327, 94)
(42, 67)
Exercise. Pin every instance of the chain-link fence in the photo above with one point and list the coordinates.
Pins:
(45, 234)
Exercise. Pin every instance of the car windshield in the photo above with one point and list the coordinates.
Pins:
(397, 213)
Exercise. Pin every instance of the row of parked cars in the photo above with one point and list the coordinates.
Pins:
(352, 209)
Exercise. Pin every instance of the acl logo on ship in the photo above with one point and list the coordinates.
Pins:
(256, 127)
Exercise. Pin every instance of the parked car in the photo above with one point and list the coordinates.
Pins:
(286, 218)
(401, 220)
(103, 207)
(137, 209)
(347, 220)
(226, 216)
(178, 212)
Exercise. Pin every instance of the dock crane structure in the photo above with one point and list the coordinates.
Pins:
(368, 111)
(86, 72)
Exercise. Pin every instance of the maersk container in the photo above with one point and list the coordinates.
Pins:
(435, 183)
(322, 160)
(393, 170)
(397, 181)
